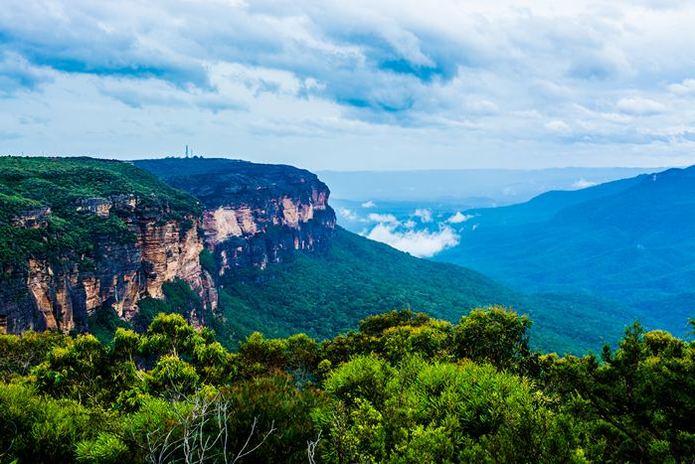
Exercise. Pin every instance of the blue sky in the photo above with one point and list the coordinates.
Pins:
(378, 84)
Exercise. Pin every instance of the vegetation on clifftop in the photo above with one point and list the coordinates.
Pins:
(30, 183)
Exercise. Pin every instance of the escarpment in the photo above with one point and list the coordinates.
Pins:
(79, 236)
(65, 256)
(254, 215)
(61, 293)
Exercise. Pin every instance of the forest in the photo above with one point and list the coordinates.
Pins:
(402, 388)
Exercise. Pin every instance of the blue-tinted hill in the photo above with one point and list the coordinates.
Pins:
(631, 240)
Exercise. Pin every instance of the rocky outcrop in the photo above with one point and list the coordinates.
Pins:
(33, 219)
(254, 214)
(61, 295)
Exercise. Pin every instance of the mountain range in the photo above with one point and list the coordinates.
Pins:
(631, 241)
(475, 187)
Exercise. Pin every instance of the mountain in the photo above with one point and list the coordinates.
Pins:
(631, 240)
(90, 245)
(78, 235)
(476, 187)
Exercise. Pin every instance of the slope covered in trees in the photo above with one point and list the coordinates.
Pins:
(323, 294)
(404, 388)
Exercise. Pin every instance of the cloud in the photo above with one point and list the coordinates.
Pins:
(424, 214)
(459, 218)
(639, 106)
(369, 204)
(140, 93)
(348, 214)
(384, 218)
(685, 87)
(557, 126)
(514, 83)
(582, 183)
(422, 244)
(16, 73)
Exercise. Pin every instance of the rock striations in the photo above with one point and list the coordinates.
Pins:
(253, 214)
(61, 294)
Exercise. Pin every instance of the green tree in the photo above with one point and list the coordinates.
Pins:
(495, 335)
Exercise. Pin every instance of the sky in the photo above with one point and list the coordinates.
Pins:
(353, 85)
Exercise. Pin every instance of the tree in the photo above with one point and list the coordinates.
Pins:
(495, 335)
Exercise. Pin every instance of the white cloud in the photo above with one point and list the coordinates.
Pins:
(582, 183)
(384, 218)
(369, 204)
(479, 86)
(639, 106)
(557, 126)
(424, 214)
(459, 218)
(423, 244)
(685, 87)
(348, 214)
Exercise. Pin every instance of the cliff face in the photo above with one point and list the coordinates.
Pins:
(61, 294)
(254, 214)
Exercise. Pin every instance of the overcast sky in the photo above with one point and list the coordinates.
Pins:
(353, 84)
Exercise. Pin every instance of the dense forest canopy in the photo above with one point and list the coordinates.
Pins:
(404, 388)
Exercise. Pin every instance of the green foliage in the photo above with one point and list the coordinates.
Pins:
(172, 377)
(493, 335)
(444, 412)
(19, 354)
(30, 183)
(323, 294)
(37, 429)
(106, 448)
(207, 261)
(104, 323)
(638, 399)
(404, 388)
(179, 298)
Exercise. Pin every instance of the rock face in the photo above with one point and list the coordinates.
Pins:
(60, 296)
(254, 214)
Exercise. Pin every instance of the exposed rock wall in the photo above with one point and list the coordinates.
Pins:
(263, 232)
(255, 214)
(60, 296)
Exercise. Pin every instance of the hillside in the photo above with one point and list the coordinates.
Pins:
(631, 240)
(79, 236)
(326, 293)
(28, 186)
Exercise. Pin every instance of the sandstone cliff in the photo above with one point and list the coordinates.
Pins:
(254, 214)
(61, 293)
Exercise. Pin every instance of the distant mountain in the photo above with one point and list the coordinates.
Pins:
(475, 187)
(631, 240)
